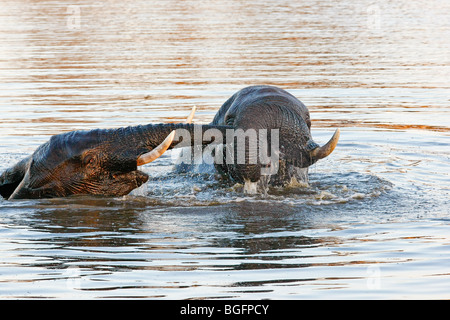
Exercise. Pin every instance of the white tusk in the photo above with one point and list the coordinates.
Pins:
(191, 115)
(159, 150)
(325, 150)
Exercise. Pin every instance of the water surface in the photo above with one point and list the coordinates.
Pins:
(374, 222)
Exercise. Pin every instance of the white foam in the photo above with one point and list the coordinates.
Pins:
(250, 187)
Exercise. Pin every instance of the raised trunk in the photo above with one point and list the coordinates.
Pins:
(144, 138)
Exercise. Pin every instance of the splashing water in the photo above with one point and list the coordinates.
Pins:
(373, 221)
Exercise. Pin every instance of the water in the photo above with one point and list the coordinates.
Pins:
(374, 222)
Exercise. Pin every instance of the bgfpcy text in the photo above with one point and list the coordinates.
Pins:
(227, 309)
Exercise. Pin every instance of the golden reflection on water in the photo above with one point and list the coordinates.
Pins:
(119, 63)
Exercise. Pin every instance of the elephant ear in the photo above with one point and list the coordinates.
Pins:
(12, 177)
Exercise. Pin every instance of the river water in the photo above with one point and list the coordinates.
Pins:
(374, 222)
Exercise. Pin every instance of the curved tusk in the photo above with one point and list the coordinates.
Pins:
(191, 115)
(325, 150)
(159, 150)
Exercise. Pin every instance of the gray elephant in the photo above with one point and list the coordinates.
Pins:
(257, 109)
(104, 162)
(96, 162)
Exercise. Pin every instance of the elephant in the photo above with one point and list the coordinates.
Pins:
(93, 162)
(104, 161)
(267, 108)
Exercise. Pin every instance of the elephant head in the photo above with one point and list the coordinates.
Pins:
(272, 109)
(96, 162)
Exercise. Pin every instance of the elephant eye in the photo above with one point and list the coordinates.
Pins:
(308, 123)
(88, 159)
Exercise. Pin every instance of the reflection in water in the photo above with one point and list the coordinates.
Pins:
(91, 234)
(242, 249)
(379, 206)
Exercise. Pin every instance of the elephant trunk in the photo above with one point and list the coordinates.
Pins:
(150, 141)
(161, 148)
